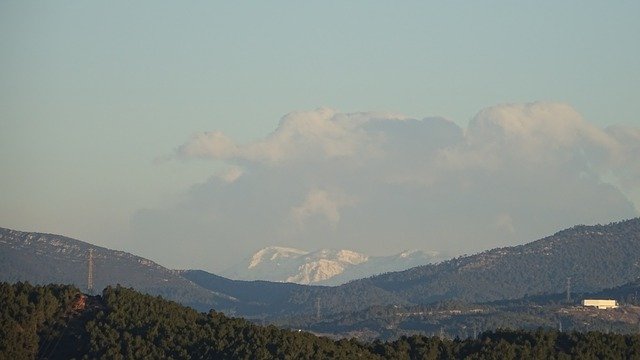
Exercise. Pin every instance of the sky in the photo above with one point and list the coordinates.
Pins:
(196, 134)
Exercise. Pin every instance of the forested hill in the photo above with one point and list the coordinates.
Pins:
(594, 257)
(57, 322)
(46, 258)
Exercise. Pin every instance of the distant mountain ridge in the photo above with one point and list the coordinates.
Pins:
(46, 258)
(594, 257)
(321, 267)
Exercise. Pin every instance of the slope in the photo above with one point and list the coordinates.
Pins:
(46, 258)
(594, 257)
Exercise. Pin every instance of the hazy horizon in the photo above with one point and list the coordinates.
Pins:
(197, 135)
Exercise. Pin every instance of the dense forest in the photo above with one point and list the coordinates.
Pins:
(58, 322)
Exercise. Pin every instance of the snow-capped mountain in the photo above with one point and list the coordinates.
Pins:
(274, 254)
(322, 267)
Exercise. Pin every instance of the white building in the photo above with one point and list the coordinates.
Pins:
(600, 303)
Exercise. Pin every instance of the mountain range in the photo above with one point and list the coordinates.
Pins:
(322, 267)
(593, 257)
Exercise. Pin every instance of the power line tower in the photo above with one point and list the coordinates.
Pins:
(568, 290)
(318, 308)
(90, 273)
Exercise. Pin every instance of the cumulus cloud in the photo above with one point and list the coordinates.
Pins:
(213, 144)
(321, 202)
(504, 222)
(304, 135)
(231, 174)
(515, 173)
(625, 154)
(543, 133)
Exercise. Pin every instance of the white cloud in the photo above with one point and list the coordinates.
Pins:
(231, 174)
(626, 155)
(503, 221)
(321, 202)
(213, 144)
(305, 135)
(544, 133)
(517, 172)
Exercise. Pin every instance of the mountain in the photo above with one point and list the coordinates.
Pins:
(594, 257)
(322, 267)
(45, 258)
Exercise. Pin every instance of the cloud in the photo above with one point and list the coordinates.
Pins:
(305, 136)
(213, 144)
(515, 173)
(231, 174)
(505, 222)
(625, 154)
(541, 133)
(321, 202)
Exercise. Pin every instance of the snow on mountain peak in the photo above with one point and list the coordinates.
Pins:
(351, 257)
(325, 266)
(316, 271)
(273, 254)
(408, 253)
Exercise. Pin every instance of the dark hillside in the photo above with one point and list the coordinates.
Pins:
(256, 298)
(46, 258)
(594, 257)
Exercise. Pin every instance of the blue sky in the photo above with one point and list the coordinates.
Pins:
(96, 99)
